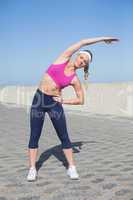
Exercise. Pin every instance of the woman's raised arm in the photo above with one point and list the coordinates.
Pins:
(75, 47)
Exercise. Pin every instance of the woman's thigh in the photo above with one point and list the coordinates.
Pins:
(37, 113)
(58, 118)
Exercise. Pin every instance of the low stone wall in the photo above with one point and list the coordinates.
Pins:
(100, 98)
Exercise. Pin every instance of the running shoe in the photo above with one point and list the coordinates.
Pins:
(32, 175)
(72, 172)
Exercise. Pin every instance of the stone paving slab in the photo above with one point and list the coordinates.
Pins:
(103, 152)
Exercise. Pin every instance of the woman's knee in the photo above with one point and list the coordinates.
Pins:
(66, 143)
(33, 144)
(33, 141)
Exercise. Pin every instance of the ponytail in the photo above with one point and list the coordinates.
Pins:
(86, 73)
(86, 69)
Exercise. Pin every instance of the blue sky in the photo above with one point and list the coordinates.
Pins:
(34, 32)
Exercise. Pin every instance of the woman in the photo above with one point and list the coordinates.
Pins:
(48, 98)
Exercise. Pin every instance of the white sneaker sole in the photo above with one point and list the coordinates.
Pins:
(32, 180)
(73, 178)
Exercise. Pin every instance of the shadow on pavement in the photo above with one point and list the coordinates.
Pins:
(59, 154)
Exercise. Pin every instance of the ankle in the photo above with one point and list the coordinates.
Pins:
(72, 166)
(32, 167)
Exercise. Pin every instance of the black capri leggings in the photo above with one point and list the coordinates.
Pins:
(41, 104)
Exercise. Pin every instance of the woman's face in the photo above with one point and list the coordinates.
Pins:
(81, 60)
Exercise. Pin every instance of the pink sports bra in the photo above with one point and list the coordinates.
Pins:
(56, 72)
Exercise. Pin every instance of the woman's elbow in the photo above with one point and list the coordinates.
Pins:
(81, 102)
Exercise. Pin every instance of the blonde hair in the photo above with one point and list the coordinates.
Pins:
(86, 73)
(86, 69)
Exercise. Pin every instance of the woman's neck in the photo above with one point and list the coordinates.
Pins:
(71, 66)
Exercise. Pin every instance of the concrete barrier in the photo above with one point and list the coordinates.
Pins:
(100, 98)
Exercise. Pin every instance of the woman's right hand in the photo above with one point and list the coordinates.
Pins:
(58, 99)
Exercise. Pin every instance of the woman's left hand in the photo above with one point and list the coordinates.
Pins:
(109, 40)
(58, 99)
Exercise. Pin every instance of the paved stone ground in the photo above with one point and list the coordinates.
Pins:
(103, 152)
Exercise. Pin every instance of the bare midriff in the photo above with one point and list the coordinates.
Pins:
(48, 86)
